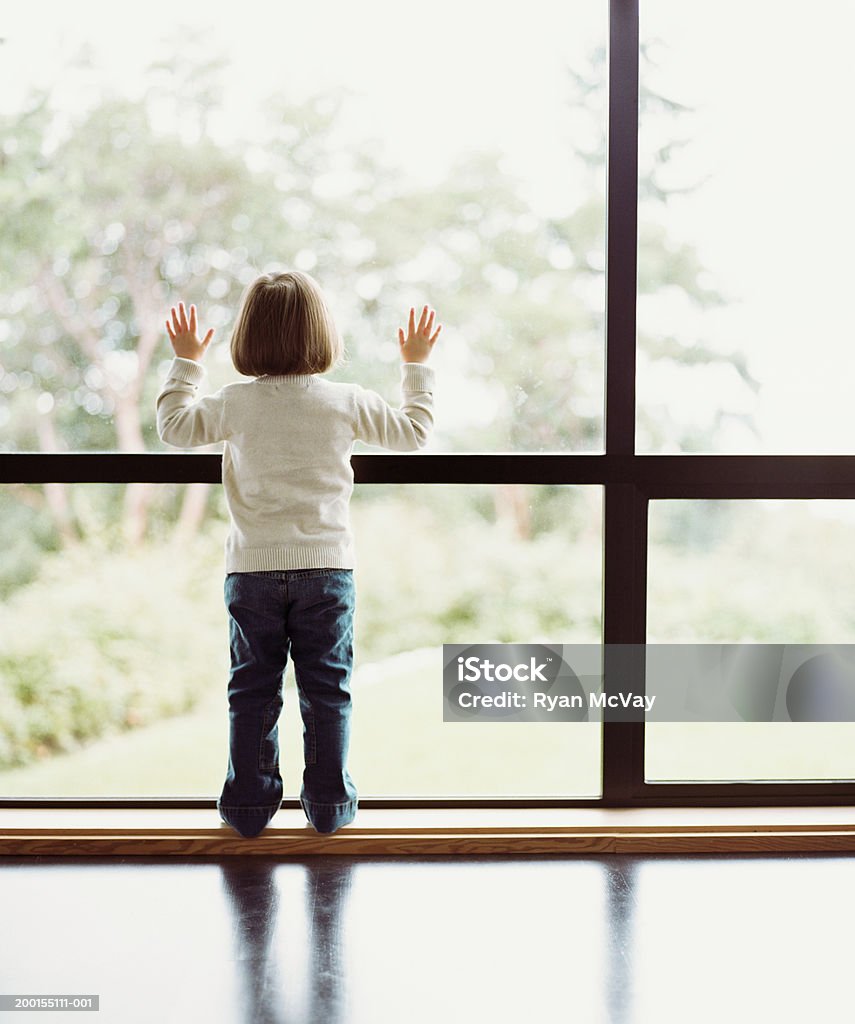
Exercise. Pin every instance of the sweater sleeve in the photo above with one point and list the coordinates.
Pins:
(403, 429)
(181, 420)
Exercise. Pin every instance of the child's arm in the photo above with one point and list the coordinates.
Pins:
(408, 427)
(182, 421)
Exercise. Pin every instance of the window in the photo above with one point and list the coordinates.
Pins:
(758, 572)
(745, 211)
(534, 213)
(115, 656)
(149, 166)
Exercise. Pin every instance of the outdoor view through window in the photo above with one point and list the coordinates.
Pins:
(177, 156)
(745, 346)
(460, 163)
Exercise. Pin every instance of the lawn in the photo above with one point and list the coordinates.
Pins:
(400, 746)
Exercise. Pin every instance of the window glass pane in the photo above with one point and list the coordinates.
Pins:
(114, 651)
(746, 211)
(766, 572)
(457, 163)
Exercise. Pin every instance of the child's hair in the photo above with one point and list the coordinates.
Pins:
(284, 326)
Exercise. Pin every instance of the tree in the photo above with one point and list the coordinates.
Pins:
(108, 218)
(105, 221)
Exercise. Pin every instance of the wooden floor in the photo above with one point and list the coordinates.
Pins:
(50, 831)
(250, 939)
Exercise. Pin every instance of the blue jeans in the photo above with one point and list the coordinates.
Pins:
(308, 612)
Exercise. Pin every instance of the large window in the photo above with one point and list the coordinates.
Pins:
(537, 180)
(115, 657)
(745, 216)
(183, 155)
(761, 573)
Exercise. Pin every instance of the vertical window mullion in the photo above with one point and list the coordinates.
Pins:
(625, 507)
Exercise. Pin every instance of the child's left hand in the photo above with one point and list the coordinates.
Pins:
(182, 334)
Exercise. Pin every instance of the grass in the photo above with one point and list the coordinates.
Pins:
(400, 746)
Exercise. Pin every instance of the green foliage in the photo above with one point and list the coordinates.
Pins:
(108, 219)
(111, 217)
(103, 641)
(107, 639)
(760, 572)
(27, 535)
(433, 575)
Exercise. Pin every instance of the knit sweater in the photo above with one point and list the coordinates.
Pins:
(287, 439)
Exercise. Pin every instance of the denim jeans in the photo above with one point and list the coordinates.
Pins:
(309, 614)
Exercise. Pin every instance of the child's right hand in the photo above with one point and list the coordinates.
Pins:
(418, 344)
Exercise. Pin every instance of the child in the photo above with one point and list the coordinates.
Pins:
(289, 552)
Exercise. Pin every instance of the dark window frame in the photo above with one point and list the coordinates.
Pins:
(629, 481)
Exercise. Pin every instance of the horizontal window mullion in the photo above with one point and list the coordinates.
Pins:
(657, 476)
(120, 467)
(745, 476)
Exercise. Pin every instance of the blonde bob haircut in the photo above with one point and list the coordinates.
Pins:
(284, 327)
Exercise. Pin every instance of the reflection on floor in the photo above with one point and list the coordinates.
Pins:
(337, 940)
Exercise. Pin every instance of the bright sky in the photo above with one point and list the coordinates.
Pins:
(432, 82)
(772, 88)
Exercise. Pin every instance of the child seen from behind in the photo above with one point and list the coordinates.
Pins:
(289, 556)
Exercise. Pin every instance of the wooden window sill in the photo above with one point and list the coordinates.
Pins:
(457, 832)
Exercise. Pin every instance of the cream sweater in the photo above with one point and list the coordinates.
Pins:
(286, 455)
